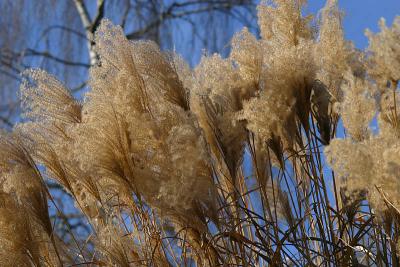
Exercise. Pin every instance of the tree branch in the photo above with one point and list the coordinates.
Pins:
(89, 25)
(99, 15)
(31, 52)
(6, 121)
(169, 13)
(83, 14)
(60, 27)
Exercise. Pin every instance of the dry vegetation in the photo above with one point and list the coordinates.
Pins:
(232, 163)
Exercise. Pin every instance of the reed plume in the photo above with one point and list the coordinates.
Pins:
(235, 162)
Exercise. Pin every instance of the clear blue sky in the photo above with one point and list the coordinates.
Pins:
(361, 14)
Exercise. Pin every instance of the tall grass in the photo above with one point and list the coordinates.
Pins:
(232, 163)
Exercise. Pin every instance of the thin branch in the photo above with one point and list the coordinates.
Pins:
(6, 121)
(32, 52)
(64, 28)
(83, 14)
(170, 14)
(89, 25)
(10, 75)
(99, 15)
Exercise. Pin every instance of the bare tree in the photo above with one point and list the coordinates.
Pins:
(58, 36)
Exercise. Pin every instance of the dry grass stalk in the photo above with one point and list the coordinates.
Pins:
(222, 165)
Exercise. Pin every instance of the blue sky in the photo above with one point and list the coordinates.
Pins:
(361, 14)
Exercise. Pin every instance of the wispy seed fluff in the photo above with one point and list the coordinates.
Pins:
(384, 63)
(50, 135)
(332, 51)
(133, 134)
(26, 234)
(163, 143)
(369, 166)
(217, 95)
(358, 107)
(370, 163)
(137, 131)
(283, 72)
(46, 99)
(294, 63)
